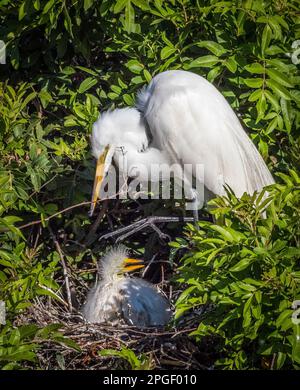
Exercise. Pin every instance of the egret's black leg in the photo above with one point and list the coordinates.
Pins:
(135, 227)
(161, 235)
(195, 207)
(134, 230)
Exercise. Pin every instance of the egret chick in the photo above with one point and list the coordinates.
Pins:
(118, 298)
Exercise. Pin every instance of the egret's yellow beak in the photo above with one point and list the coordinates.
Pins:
(99, 176)
(130, 265)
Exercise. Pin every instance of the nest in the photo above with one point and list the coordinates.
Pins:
(159, 348)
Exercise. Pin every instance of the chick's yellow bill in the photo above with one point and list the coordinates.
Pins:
(130, 265)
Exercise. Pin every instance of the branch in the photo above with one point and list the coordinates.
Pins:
(89, 238)
(54, 215)
(65, 269)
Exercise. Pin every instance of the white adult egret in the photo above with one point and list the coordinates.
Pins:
(180, 118)
(117, 298)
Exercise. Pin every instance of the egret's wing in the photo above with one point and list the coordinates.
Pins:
(191, 120)
(143, 305)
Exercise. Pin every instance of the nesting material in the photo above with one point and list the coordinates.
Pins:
(118, 298)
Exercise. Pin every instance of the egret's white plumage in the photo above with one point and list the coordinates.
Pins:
(117, 298)
(182, 118)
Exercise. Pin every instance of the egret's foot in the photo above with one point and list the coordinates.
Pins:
(135, 227)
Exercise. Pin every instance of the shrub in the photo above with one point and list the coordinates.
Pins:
(248, 270)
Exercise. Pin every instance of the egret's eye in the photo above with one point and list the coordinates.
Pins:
(122, 149)
(142, 148)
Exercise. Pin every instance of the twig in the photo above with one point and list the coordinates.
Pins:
(38, 221)
(148, 265)
(95, 225)
(273, 361)
(44, 185)
(65, 269)
(74, 206)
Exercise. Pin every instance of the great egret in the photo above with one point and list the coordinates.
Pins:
(117, 298)
(180, 118)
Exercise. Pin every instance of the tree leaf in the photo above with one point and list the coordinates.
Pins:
(279, 77)
(279, 89)
(254, 82)
(119, 6)
(241, 265)
(134, 66)
(266, 38)
(166, 52)
(87, 84)
(255, 68)
(212, 46)
(203, 62)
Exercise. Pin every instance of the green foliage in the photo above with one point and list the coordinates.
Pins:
(21, 344)
(136, 363)
(248, 269)
(243, 46)
(68, 60)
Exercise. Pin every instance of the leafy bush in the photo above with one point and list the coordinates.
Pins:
(248, 269)
(22, 343)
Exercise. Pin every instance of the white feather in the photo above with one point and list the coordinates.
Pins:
(193, 123)
(118, 128)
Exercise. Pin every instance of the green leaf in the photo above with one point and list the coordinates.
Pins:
(225, 233)
(254, 83)
(87, 70)
(37, 5)
(22, 11)
(129, 24)
(255, 95)
(48, 6)
(273, 100)
(203, 62)
(279, 89)
(241, 265)
(261, 107)
(87, 4)
(14, 338)
(255, 68)
(266, 38)
(68, 22)
(147, 75)
(134, 66)
(35, 180)
(271, 126)
(142, 4)
(279, 77)
(213, 73)
(212, 46)
(280, 360)
(119, 6)
(285, 109)
(166, 52)
(231, 64)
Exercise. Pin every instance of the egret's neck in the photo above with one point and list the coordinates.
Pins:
(113, 278)
(135, 163)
